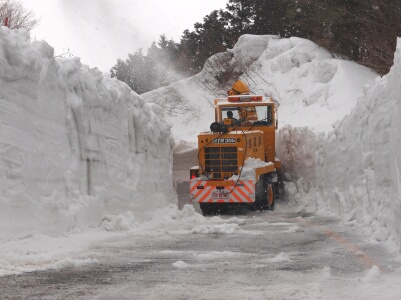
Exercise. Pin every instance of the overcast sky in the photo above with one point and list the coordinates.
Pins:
(101, 31)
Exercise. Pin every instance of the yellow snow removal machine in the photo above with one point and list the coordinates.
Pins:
(237, 162)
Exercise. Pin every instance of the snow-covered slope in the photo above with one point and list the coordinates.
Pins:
(312, 88)
(188, 103)
(75, 145)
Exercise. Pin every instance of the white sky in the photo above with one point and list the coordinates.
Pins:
(101, 31)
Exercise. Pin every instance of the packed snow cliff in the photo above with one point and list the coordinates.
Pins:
(355, 172)
(76, 146)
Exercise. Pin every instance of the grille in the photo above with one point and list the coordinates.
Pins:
(221, 159)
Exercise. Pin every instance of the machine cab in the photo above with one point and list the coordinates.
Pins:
(245, 110)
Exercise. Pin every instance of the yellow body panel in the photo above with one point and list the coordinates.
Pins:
(221, 155)
(225, 153)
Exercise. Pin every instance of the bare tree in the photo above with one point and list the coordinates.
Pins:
(14, 15)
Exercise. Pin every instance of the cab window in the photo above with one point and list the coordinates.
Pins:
(257, 115)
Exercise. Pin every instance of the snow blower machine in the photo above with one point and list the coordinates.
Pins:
(237, 162)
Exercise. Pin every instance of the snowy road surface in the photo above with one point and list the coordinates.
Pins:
(261, 255)
(284, 254)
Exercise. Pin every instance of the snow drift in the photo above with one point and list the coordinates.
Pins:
(355, 172)
(75, 145)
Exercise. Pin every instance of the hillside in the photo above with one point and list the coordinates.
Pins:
(312, 88)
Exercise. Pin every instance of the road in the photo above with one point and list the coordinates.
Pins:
(262, 255)
(281, 254)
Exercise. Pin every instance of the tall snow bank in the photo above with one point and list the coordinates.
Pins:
(75, 145)
(356, 172)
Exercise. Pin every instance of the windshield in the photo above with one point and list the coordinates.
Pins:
(256, 115)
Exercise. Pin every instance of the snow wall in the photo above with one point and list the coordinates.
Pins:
(355, 172)
(75, 145)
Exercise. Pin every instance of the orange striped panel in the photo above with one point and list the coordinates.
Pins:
(237, 197)
(239, 194)
(195, 184)
(208, 192)
(250, 189)
(242, 192)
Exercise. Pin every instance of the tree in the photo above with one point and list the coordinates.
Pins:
(240, 15)
(263, 17)
(210, 37)
(144, 73)
(137, 71)
(380, 25)
(364, 31)
(187, 58)
(16, 16)
(164, 55)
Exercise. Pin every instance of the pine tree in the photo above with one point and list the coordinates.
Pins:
(137, 71)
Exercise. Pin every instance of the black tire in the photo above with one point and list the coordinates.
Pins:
(271, 194)
(261, 193)
(265, 193)
(279, 186)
